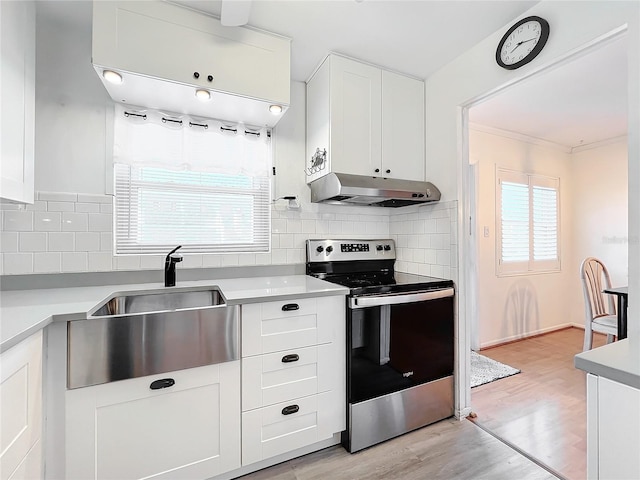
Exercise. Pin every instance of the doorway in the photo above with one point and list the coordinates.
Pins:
(509, 131)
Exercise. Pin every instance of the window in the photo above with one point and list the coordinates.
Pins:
(528, 228)
(199, 183)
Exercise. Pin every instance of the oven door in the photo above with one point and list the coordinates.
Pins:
(398, 341)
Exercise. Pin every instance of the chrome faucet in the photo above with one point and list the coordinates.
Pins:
(170, 267)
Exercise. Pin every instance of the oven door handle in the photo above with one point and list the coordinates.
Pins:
(395, 299)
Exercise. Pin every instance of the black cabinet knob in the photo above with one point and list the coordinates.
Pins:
(196, 75)
(163, 383)
(377, 170)
(290, 409)
(210, 78)
(388, 171)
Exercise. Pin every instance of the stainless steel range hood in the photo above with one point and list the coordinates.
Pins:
(340, 188)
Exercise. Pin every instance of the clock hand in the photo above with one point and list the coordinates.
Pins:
(520, 43)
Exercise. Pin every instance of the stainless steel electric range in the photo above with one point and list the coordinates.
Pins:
(400, 340)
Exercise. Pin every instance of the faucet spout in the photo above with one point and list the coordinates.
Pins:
(170, 267)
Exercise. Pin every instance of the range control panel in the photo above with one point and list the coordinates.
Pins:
(346, 250)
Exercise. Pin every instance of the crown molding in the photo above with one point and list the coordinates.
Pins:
(521, 137)
(598, 144)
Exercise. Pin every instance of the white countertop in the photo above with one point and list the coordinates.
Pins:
(618, 361)
(24, 312)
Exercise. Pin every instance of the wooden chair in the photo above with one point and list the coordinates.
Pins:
(600, 313)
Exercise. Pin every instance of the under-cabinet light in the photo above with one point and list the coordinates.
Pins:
(275, 109)
(112, 77)
(203, 95)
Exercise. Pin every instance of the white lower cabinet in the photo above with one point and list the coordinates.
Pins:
(125, 430)
(613, 430)
(21, 410)
(293, 375)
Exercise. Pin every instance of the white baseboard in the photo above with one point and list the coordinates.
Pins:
(529, 334)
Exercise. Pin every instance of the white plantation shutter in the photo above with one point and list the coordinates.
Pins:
(184, 181)
(527, 223)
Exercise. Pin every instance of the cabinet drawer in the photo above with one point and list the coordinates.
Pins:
(277, 326)
(281, 376)
(271, 431)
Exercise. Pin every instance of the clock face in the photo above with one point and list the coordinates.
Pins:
(522, 43)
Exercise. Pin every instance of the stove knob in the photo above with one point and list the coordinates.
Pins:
(387, 248)
(378, 247)
(329, 249)
(319, 249)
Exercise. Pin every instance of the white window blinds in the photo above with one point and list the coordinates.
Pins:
(527, 223)
(198, 183)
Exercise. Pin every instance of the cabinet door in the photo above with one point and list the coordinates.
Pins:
(126, 430)
(17, 80)
(171, 42)
(403, 130)
(21, 410)
(356, 117)
(618, 430)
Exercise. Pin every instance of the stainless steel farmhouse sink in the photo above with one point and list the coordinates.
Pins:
(134, 334)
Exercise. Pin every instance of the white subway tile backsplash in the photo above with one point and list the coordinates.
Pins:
(211, 261)
(106, 208)
(100, 222)
(10, 206)
(87, 242)
(57, 197)
(106, 242)
(17, 221)
(73, 232)
(191, 261)
(89, 198)
(74, 222)
(129, 262)
(60, 242)
(75, 262)
(88, 207)
(49, 262)
(33, 242)
(279, 256)
(99, 261)
(61, 206)
(37, 206)
(47, 221)
(9, 242)
(17, 263)
(230, 260)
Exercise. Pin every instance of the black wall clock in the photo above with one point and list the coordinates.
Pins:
(522, 42)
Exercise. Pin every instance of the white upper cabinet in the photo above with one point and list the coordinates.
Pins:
(369, 120)
(17, 80)
(174, 50)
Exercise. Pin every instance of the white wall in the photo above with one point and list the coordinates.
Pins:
(473, 75)
(600, 215)
(511, 307)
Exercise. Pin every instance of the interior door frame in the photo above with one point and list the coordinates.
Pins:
(467, 254)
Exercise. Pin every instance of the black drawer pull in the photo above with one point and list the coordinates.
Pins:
(290, 409)
(290, 306)
(294, 357)
(163, 383)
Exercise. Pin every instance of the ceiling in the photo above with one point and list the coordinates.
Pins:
(578, 103)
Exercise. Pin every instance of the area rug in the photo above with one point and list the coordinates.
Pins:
(486, 370)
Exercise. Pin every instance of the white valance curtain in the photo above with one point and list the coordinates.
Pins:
(199, 183)
(150, 138)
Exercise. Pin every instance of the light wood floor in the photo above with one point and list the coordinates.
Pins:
(543, 409)
(446, 450)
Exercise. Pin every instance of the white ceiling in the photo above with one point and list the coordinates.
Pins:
(573, 105)
(579, 103)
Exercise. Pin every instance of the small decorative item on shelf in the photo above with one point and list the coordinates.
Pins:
(318, 162)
